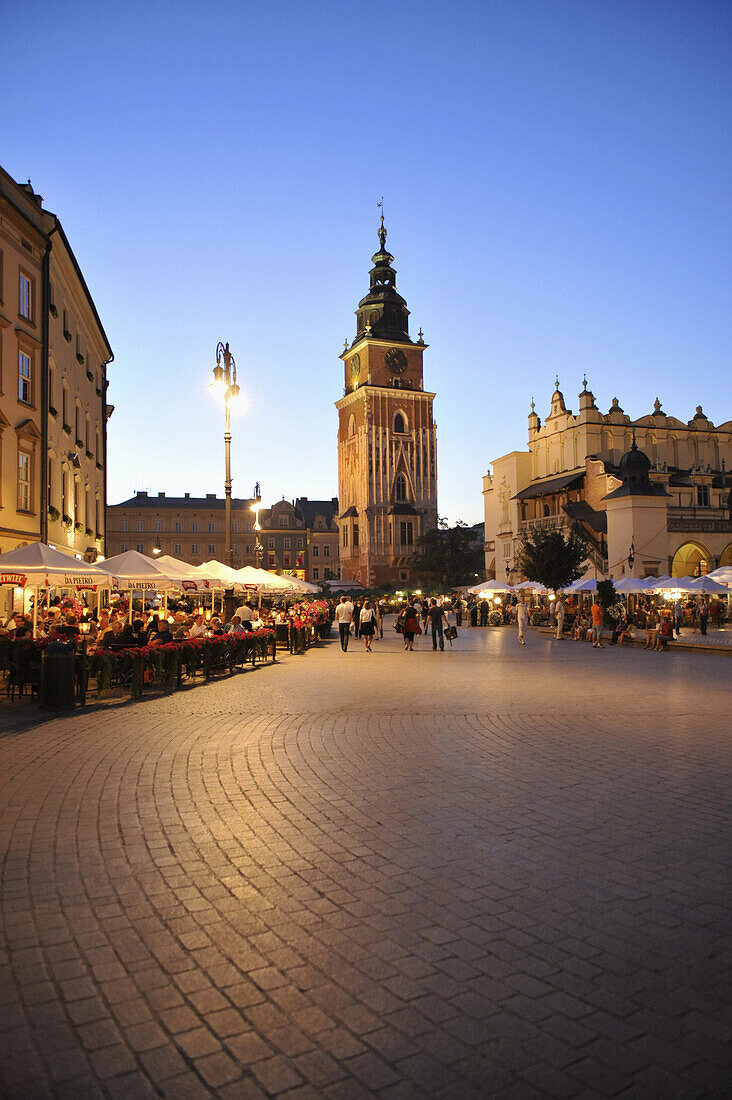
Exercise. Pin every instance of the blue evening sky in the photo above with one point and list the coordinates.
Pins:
(556, 177)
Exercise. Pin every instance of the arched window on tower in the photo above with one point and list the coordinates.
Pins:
(399, 425)
(400, 487)
(352, 425)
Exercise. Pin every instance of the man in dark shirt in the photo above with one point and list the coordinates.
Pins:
(437, 621)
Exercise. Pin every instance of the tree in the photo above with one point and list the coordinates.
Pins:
(447, 557)
(607, 597)
(547, 557)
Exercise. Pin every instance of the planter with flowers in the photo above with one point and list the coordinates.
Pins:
(165, 665)
(316, 614)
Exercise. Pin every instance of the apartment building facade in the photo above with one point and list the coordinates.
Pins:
(54, 355)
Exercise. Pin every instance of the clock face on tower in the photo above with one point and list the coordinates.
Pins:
(355, 366)
(395, 361)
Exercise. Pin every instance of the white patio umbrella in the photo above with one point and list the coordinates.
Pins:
(723, 575)
(262, 581)
(710, 587)
(632, 584)
(675, 584)
(224, 573)
(134, 572)
(531, 586)
(304, 586)
(490, 588)
(39, 566)
(191, 580)
(589, 585)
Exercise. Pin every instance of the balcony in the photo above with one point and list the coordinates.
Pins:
(711, 520)
(545, 523)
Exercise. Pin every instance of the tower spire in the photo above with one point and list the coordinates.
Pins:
(383, 312)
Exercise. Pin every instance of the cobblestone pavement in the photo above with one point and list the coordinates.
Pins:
(495, 871)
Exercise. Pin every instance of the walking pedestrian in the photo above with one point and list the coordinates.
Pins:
(411, 627)
(357, 617)
(522, 618)
(484, 612)
(367, 624)
(343, 616)
(438, 622)
(559, 611)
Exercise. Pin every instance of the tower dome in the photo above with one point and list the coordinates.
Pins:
(634, 468)
(383, 312)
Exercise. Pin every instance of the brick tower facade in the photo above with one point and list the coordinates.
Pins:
(387, 457)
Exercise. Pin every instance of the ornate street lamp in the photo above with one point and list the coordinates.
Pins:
(256, 506)
(224, 382)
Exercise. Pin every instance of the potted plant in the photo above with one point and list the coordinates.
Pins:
(88, 532)
(53, 513)
(67, 520)
(98, 536)
(53, 310)
(79, 527)
(79, 357)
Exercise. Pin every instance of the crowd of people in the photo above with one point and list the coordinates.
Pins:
(112, 628)
(365, 619)
(571, 617)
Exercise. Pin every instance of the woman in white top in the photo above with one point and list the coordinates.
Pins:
(367, 624)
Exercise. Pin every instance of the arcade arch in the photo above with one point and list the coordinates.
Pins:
(691, 560)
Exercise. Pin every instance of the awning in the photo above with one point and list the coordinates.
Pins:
(585, 513)
(403, 509)
(550, 485)
(349, 513)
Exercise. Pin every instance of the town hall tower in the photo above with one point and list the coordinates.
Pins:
(387, 460)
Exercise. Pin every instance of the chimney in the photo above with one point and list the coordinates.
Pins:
(161, 494)
(141, 493)
(187, 496)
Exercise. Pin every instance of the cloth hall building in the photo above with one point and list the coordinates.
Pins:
(652, 495)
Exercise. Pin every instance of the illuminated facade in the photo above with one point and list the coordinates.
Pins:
(672, 516)
(387, 445)
(53, 382)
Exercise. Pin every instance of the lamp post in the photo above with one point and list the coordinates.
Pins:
(224, 381)
(258, 548)
(84, 628)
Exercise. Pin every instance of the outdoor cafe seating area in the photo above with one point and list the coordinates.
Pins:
(639, 598)
(133, 622)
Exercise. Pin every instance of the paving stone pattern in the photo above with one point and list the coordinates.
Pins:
(495, 871)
